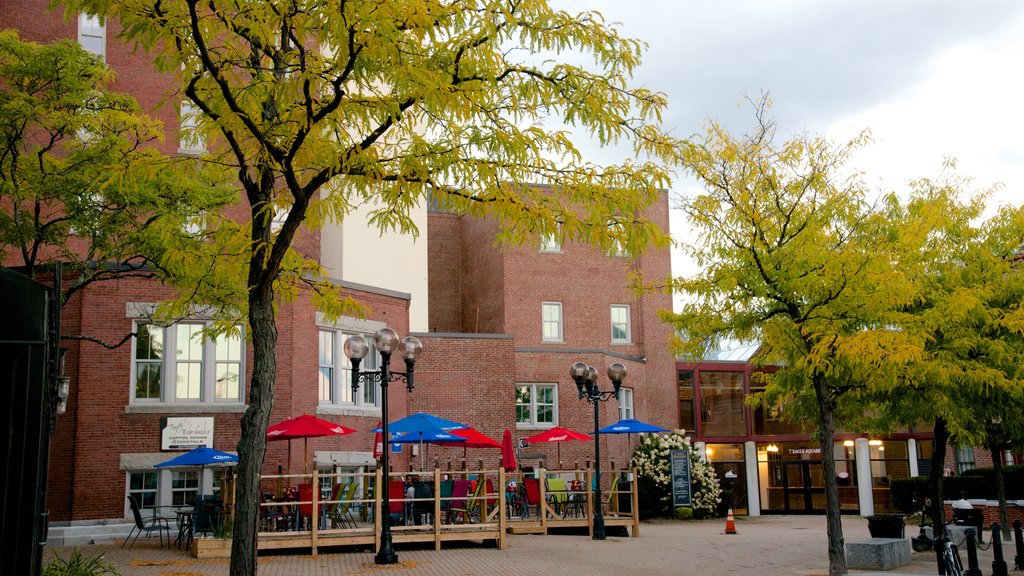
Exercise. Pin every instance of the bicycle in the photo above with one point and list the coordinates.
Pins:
(951, 564)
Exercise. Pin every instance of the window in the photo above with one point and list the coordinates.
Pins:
(536, 405)
(620, 324)
(625, 403)
(201, 369)
(189, 141)
(336, 371)
(92, 34)
(721, 404)
(184, 487)
(964, 458)
(551, 313)
(143, 486)
(551, 242)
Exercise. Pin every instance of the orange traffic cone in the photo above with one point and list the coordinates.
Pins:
(730, 524)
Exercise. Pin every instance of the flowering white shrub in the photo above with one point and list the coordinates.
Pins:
(651, 459)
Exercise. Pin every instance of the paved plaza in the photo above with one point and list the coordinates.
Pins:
(763, 546)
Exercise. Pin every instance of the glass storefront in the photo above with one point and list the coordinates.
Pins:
(686, 395)
(790, 477)
(889, 460)
(721, 404)
(728, 462)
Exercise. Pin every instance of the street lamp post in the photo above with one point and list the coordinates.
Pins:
(586, 384)
(356, 349)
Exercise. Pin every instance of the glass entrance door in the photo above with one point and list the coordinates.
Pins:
(803, 488)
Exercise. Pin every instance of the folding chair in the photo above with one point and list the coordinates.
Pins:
(341, 513)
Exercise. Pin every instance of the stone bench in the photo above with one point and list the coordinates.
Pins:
(956, 533)
(878, 553)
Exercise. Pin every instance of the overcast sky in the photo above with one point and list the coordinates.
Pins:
(930, 79)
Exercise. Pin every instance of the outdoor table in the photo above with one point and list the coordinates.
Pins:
(184, 527)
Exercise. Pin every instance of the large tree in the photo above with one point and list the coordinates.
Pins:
(790, 256)
(320, 106)
(960, 338)
(80, 182)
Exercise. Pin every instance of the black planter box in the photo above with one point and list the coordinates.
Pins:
(886, 525)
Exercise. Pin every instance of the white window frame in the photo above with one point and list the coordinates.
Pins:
(189, 142)
(625, 323)
(625, 403)
(92, 26)
(139, 493)
(546, 310)
(210, 366)
(191, 481)
(533, 405)
(339, 390)
(551, 243)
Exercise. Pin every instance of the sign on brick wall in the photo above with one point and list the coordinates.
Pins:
(186, 433)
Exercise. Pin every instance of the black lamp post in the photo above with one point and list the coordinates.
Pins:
(586, 384)
(356, 349)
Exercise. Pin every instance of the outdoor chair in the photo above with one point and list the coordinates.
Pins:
(341, 512)
(446, 495)
(423, 505)
(457, 510)
(532, 486)
(158, 525)
(558, 495)
(396, 496)
(206, 514)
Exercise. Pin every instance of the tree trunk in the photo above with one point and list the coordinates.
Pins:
(940, 436)
(833, 515)
(997, 466)
(252, 446)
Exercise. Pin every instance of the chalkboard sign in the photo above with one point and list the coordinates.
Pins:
(680, 478)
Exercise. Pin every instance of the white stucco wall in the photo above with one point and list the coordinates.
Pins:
(355, 251)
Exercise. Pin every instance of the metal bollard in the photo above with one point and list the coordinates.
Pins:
(972, 555)
(998, 564)
(1018, 540)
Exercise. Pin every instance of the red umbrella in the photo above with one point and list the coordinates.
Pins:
(558, 435)
(474, 439)
(508, 451)
(378, 443)
(304, 427)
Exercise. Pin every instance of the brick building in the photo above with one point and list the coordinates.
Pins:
(500, 329)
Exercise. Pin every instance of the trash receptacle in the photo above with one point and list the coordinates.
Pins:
(886, 525)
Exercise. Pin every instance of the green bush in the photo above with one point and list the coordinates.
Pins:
(78, 565)
(683, 513)
(907, 494)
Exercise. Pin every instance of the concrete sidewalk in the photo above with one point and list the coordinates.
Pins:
(763, 546)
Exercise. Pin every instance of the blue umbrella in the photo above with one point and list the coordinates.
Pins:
(425, 436)
(422, 422)
(199, 457)
(630, 426)
(421, 426)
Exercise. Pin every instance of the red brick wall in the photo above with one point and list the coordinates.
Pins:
(467, 379)
(507, 287)
(484, 278)
(444, 245)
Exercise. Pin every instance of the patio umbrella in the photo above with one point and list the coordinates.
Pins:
(558, 435)
(201, 457)
(422, 421)
(508, 451)
(304, 427)
(630, 426)
(425, 435)
(473, 439)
